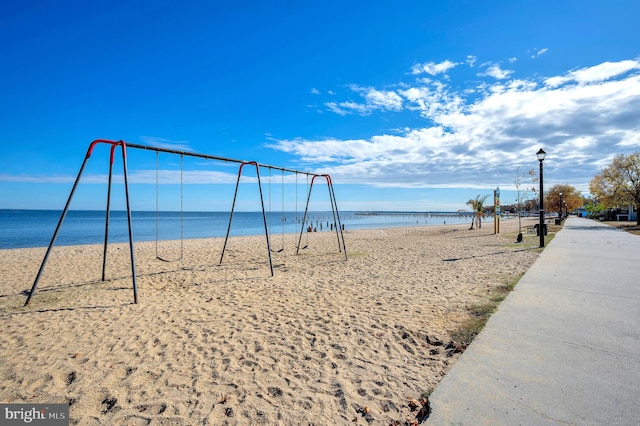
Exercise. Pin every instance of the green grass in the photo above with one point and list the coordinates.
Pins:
(479, 313)
(500, 292)
(469, 330)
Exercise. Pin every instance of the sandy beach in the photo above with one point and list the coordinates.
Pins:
(324, 341)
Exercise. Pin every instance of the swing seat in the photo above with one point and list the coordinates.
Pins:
(181, 212)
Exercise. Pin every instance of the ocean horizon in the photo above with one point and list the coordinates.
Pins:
(35, 228)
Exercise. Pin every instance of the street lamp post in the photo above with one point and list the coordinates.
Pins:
(560, 216)
(540, 154)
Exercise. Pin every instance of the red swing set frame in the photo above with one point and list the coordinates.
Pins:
(123, 146)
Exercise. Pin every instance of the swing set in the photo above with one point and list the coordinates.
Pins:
(124, 146)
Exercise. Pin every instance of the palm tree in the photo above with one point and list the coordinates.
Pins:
(477, 206)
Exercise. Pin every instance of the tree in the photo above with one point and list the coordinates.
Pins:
(571, 198)
(535, 179)
(477, 206)
(530, 205)
(593, 208)
(521, 195)
(618, 184)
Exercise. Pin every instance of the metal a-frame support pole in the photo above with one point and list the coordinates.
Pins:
(336, 215)
(107, 215)
(129, 221)
(264, 216)
(334, 209)
(304, 216)
(66, 209)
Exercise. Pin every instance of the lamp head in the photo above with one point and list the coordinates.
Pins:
(540, 154)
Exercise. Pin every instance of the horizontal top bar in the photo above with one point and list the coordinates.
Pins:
(215, 157)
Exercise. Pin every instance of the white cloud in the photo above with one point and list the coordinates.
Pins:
(477, 138)
(471, 60)
(595, 74)
(433, 68)
(496, 72)
(373, 100)
(432, 100)
(136, 177)
(166, 143)
(40, 178)
(333, 106)
(537, 52)
(383, 99)
(188, 177)
(346, 108)
(315, 91)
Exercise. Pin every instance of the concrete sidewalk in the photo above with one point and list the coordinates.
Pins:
(564, 347)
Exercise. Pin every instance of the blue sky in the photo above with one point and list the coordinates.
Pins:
(408, 105)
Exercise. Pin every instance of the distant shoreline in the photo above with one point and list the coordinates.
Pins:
(35, 228)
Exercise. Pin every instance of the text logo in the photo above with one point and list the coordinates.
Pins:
(34, 414)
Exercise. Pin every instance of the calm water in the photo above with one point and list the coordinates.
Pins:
(34, 228)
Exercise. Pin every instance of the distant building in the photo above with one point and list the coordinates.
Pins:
(581, 212)
(629, 215)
